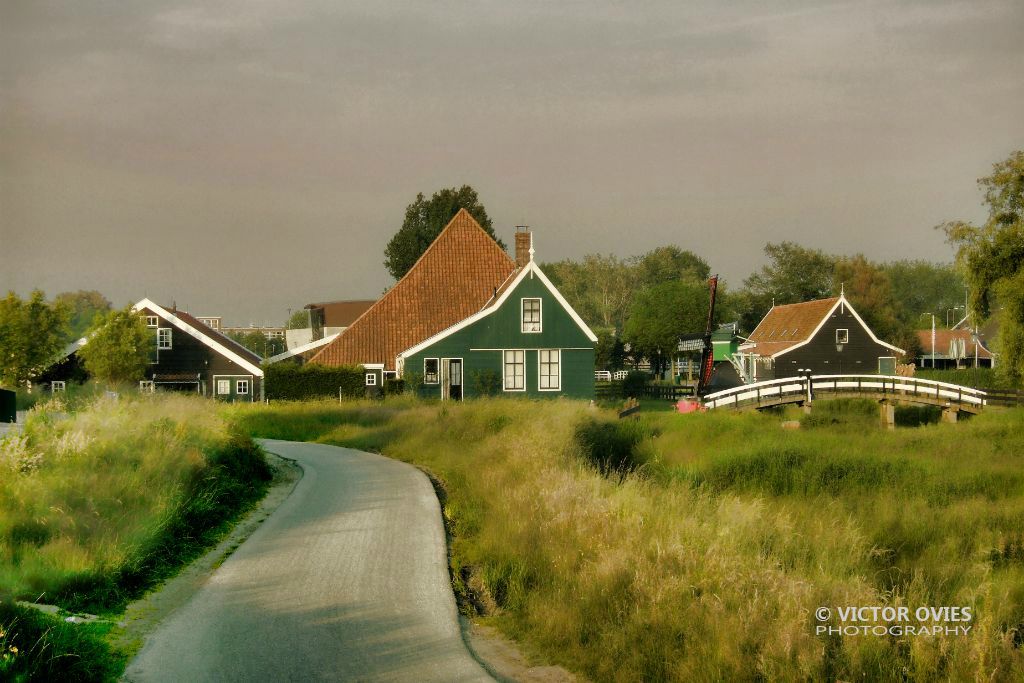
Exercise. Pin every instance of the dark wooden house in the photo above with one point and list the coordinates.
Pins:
(190, 356)
(825, 337)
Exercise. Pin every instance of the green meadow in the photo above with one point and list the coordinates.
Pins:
(698, 547)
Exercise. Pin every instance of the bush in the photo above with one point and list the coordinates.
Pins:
(610, 446)
(394, 387)
(485, 382)
(311, 381)
(633, 385)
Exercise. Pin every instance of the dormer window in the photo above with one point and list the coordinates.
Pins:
(531, 315)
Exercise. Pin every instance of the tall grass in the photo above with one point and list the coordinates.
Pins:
(697, 547)
(100, 504)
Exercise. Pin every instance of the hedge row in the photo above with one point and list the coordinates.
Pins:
(301, 382)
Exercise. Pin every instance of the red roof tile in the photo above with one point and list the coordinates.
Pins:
(789, 325)
(456, 276)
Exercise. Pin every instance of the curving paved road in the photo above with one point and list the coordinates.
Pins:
(347, 580)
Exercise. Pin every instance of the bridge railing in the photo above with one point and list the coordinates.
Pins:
(776, 390)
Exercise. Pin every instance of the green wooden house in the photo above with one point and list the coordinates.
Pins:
(467, 320)
(527, 341)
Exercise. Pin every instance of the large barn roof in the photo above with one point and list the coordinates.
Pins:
(788, 325)
(454, 278)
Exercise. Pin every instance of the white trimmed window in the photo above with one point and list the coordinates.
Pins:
(146, 387)
(163, 338)
(58, 386)
(842, 336)
(531, 315)
(430, 372)
(152, 321)
(242, 386)
(515, 370)
(223, 387)
(550, 369)
(371, 379)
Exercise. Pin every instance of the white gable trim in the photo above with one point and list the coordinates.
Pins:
(840, 302)
(530, 267)
(193, 332)
(291, 353)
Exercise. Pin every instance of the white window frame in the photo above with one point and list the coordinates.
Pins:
(146, 386)
(437, 375)
(540, 315)
(152, 321)
(57, 386)
(371, 379)
(222, 383)
(390, 374)
(165, 344)
(504, 371)
(241, 384)
(846, 336)
(540, 365)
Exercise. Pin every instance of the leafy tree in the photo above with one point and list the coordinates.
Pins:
(991, 257)
(83, 305)
(925, 287)
(32, 334)
(258, 343)
(299, 320)
(793, 275)
(119, 347)
(424, 220)
(669, 263)
(660, 315)
(600, 288)
(610, 353)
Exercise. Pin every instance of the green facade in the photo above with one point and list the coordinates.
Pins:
(481, 345)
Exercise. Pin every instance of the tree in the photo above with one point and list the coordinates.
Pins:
(424, 220)
(669, 263)
(600, 288)
(795, 274)
(32, 334)
(83, 305)
(868, 288)
(259, 343)
(925, 287)
(610, 353)
(663, 313)
(119, 347)
(991, 257)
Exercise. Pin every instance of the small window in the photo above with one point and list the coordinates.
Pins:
(430, 372)
(842, 336)
(163, 338)
(58, 386)
(242, 386)
(371, 379)
(515, 371)
(531, 315)
(146, 387)
(152, 321)
(550, 361)
(223, 387)
(390, 374)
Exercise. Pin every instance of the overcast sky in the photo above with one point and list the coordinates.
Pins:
(244, 157)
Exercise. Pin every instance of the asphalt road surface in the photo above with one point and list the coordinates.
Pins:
(347, 580)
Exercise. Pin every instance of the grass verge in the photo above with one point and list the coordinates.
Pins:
(101, 504)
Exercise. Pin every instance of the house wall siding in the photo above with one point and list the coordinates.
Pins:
(480, 345)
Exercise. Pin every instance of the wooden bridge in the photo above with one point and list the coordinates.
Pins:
(887, 389)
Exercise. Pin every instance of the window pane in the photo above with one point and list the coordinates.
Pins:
(531, 315)
(515, 370)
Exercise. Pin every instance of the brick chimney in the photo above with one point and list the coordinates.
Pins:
(524, 242)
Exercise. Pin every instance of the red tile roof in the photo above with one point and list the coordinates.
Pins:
(456, 276)
(943, 342)
(788, 325)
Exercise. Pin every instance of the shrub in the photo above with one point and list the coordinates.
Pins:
(610, 446)
(633, 385)
(311, 381)
(485, 382)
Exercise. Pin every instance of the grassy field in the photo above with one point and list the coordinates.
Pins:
(99, 504)
(698, 547)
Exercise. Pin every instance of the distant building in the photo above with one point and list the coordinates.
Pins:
(826, 337)
(327, 319)
(954, 349)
